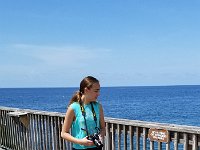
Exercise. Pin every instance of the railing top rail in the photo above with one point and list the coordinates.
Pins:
(145, 124)
(31, 111)
(137, 123)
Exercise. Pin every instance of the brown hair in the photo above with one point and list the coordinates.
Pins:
(87, 82)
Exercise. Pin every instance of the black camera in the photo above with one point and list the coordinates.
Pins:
(96, 140)
(95, 137)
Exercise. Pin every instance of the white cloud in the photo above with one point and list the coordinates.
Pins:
(45, 65)
(62, 55)
(40, 59)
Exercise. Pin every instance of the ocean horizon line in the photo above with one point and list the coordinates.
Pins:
(116, 86)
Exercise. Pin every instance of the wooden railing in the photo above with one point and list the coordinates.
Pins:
(24, 129)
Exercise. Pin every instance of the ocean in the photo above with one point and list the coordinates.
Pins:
(163, 104)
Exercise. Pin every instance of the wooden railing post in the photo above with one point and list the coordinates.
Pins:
(194, 145)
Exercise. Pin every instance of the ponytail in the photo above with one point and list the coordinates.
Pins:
(76, 97)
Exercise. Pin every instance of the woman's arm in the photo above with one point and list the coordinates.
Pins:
(65, 133)
(102, 122)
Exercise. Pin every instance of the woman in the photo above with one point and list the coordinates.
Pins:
(85, 117)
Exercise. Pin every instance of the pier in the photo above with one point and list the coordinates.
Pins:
(25, 129)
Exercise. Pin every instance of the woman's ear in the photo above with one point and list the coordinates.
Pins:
(85, 89)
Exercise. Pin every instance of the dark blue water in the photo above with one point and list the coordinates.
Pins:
(165, 104)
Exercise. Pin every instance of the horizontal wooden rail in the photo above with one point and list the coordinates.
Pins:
(25, 129)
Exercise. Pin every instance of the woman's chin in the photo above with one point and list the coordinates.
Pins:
(93, 100)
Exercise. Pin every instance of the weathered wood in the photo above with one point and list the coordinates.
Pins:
(119, 136)
(131, 134)
(113, 136)
(151, 145)
(125, 137)
(175, 141)
(108, 136)
(194, 145)
(144, 138)
(159, 146)
(186, 141)
(137, 139)
(44, 128)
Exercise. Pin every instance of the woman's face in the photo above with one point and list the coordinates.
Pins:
(93, 93)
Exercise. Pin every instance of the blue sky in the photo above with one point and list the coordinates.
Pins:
(46, 43)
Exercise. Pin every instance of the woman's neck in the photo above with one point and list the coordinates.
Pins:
(85, 100)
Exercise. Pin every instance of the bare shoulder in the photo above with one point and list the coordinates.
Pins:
(70, 112)
(100, 106)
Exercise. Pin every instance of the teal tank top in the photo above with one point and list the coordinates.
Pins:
(79, 123)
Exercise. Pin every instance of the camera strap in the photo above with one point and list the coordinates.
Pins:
(84, 114)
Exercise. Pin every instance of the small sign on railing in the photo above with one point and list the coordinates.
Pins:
(159, 135)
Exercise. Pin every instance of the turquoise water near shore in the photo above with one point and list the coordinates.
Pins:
(165, 104)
